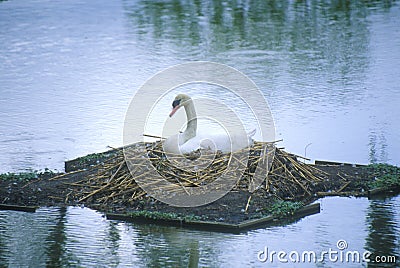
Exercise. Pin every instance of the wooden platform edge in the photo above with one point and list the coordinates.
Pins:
(333, 163)
(218, 226)
(384, 191)
(18, 208)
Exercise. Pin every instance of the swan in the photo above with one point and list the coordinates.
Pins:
(189, 140)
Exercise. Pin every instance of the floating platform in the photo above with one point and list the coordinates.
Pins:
(219, 226)
(103, 182)
(18, 208)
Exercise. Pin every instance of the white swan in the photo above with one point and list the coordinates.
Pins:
(190, 140)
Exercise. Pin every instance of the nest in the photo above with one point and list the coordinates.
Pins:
(115, 181)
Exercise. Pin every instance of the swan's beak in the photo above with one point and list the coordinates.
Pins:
(174, 110)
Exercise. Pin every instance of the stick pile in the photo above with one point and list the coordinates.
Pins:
(113, 183)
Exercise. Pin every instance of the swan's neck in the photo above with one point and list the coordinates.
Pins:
(191, 127)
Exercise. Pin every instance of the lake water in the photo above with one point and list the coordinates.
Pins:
(80, 237)
(68, 71)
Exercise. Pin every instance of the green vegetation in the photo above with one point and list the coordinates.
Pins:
(90, 158)
(23, 176)
(26, 176)
(386, 176)
(94, 157)
(281, 209)
(155, 215)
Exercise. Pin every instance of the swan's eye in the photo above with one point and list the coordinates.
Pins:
(175, 103)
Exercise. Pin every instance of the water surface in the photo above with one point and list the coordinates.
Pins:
(68, 71)
(329, 71)
(80, 237)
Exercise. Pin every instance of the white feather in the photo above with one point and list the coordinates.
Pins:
(191, 140)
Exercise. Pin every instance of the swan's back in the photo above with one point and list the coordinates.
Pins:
(218, 142)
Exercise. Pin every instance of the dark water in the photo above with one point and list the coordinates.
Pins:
(329, 70)
(79, 237)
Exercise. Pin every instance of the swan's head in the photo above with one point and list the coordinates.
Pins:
(179, 101)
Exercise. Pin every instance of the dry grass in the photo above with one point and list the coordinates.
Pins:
(114, 182)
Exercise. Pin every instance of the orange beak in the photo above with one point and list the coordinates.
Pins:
(174, 110)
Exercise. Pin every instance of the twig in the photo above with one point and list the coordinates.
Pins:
(153, 136)
(343, 187)
(65, 174)
(116, 172)
(247, 205)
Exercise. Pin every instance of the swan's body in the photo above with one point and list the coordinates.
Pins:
(189, 140)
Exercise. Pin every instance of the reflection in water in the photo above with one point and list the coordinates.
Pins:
(194, 254)
(383, 227)
(316, 63)
(24, 235)
(57, 237)
(313, 37)
(166, 246)
(76, 237)
(56, 241)
(377, 148)
(4, 254)
(114, 237)
(325, 67)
